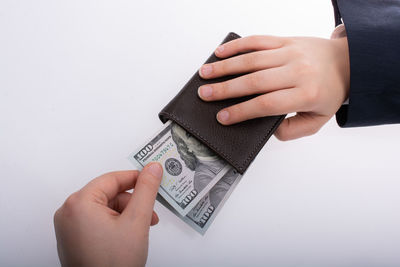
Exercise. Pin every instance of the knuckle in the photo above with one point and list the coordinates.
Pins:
(232, 43)
(264, 103)
(249, 60)
(221, 90)
(296, 51)
(71, 206)
(257, 40)
(236, 113)
(72, 201)
(112, 175)
(287, 41)
(304, 68)
(249, 41)
(302, 63)
(311, 96)
(253, 80)
(219, 67)
(252, 38)
(149, 183)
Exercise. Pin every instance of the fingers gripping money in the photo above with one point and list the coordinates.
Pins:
(190, 168)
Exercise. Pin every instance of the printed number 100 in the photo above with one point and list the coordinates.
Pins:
(142, 153)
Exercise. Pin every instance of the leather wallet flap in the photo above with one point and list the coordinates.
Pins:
(238, 144)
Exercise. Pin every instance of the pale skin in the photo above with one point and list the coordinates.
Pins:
(302, 75)
(103, 225)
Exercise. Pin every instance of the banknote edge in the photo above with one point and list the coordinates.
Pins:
(203, 230)
(193, 203)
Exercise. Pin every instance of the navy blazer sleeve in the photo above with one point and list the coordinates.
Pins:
(373, 34)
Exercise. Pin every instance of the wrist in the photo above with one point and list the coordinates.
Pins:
(339, 39)
(343, 63)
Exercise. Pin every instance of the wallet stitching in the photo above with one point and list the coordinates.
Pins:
(200, 135)
(262, 141)
(255, 148)
(197, 83)
(240, 166)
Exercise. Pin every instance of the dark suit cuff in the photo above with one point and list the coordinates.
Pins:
(373, 39)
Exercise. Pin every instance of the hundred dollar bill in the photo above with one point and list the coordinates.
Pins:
(203, 214)
(190, 168)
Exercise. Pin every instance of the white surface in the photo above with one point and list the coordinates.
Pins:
(81, 83)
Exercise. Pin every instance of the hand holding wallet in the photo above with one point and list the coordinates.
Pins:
(202, 159)
(238, 144)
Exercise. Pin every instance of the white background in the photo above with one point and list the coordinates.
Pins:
(81, 83)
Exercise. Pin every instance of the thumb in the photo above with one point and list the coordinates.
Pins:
(303, 124)
(140, 206)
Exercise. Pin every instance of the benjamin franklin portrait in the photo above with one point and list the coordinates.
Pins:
(197, 157)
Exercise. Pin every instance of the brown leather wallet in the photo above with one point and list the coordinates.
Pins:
(238, 144)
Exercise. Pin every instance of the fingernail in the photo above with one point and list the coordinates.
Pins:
(206, 70)
(220, 49)
(223, 116)
(155, 169)
(205, 91)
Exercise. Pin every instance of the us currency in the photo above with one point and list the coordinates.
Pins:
(190, 168)
(203, 214)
